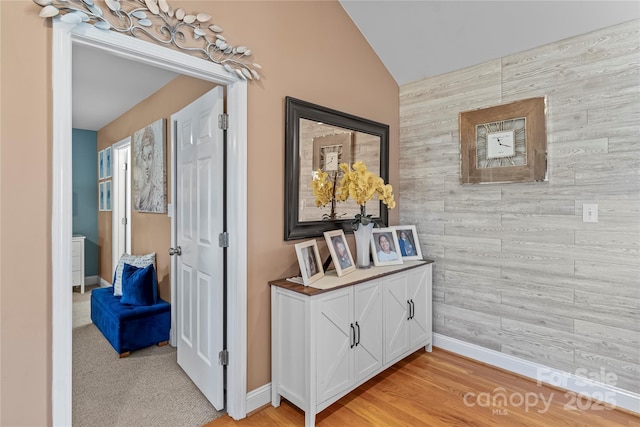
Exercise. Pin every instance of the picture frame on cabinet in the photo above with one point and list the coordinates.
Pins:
(339, 250)
(385, 247)
(408, 243)
(309, 261)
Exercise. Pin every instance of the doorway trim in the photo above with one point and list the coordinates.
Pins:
(120, 207)
(63, 38)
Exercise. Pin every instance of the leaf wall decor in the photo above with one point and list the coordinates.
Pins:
(157, 21)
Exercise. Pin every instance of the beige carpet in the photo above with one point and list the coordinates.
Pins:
(146, 389)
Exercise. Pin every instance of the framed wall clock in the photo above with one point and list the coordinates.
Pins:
(504, 143)
(331, 150)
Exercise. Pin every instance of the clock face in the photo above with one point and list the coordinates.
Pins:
(331, 162)
(330, 157)
(501, 144)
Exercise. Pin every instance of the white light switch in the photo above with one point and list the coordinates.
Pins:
(589, 212)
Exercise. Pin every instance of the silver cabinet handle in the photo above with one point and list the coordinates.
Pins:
(175, 251)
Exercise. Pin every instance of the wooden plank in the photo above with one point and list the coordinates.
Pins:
(430, 389)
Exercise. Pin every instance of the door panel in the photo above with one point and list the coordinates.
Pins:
(396, 311)
(334, 337)
(419, 325)
(368, 315)
(199, 219)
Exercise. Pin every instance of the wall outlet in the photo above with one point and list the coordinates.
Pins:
(589, 212)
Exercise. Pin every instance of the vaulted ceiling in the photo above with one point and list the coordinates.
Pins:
(414, 39)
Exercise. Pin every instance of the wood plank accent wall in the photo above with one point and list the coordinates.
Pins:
(517, 271)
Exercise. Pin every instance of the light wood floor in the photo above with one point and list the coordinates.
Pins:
(429, 389)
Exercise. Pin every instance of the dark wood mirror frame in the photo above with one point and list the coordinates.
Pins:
(296, 110)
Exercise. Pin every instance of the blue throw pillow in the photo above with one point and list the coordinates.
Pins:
(139, 285)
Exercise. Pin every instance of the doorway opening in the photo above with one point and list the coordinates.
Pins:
(64, 38)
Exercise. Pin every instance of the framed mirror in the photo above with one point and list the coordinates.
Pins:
(321, 138)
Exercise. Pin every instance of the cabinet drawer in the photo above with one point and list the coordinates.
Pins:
(76, 249)
(76, 278)
(76, 263)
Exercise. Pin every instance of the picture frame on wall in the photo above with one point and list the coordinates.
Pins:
(107, 195)
(309, 261)
(149, 171)
(101, 196)
(408, 243)
(339, 250)
(385, 247)
(107, 162)
(101, 169)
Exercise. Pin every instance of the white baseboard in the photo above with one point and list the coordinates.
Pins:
(104, 283)
(91, 280)
(584, 385)
(259, 397)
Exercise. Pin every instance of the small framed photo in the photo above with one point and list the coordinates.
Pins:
(384, 247)
(342, 259)
(310, 262)
(408, 242)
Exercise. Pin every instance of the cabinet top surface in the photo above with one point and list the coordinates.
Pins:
(331, 281)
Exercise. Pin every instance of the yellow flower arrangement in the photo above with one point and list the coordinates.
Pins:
(358, 183)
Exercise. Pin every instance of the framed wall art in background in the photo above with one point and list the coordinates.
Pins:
(149, 171)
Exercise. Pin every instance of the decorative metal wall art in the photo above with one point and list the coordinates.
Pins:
(157, 20)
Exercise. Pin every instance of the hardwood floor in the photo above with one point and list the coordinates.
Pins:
(444, 389)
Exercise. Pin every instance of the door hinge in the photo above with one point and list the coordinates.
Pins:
(223, 121)
(223, 239)
(124, 221)
(223, 357)
(124, 166)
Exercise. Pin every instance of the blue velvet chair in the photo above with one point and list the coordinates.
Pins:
(130, 327)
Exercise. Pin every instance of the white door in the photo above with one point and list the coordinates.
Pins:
(121, 215)
(199, 221)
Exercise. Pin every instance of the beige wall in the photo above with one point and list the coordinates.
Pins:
(517, 271)
(309, 50)
(150, 232)
(25, 227)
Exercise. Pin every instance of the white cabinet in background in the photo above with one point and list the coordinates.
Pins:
(330, 337)
(77, 261)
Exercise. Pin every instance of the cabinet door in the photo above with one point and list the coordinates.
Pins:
(420, 324)
(334, 317)
(395, 314)
(368, 317)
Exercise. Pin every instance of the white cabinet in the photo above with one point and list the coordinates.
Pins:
(332, 336)
(408, 319)
(348, 324)
(77, 261)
